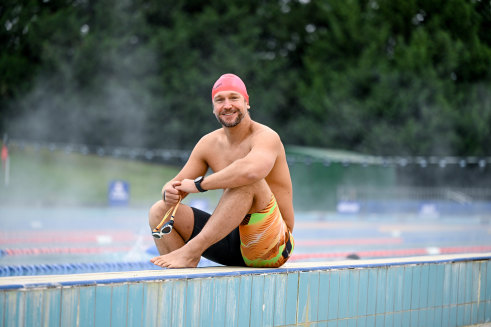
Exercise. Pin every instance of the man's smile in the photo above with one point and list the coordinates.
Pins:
(230, 117)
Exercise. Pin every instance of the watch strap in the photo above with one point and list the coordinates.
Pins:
(197, 182)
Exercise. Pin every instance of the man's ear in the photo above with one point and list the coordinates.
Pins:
(248, 107)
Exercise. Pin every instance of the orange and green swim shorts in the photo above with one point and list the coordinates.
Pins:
(265, 240)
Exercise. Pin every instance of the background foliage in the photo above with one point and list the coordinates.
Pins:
(381, 77)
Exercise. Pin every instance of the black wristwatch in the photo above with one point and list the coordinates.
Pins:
(197, 182)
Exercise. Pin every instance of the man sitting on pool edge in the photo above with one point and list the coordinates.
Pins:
(253, 221)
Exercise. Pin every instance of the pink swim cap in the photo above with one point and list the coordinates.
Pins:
(230, 82)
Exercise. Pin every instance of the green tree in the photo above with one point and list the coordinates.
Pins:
(376, 76)
(387, 76)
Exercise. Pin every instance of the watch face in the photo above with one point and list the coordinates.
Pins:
(198, 179)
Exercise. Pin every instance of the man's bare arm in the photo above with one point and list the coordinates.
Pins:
(194, 167)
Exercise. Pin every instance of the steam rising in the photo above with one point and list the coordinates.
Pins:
(102, 101)
(67, 116)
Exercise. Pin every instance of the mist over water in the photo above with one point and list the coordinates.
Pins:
(103, 101)
(113, 116)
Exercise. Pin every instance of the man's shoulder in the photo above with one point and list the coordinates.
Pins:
(261, 130)
(211, 137)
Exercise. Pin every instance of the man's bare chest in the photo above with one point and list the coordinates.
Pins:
(222, 156)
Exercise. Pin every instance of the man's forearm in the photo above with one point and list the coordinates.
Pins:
(239, 173)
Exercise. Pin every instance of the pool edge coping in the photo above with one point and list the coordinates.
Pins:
(104, 278)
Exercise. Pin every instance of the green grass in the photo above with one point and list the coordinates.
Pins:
(43, 177)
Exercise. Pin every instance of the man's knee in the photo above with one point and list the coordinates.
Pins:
(257, 194)
(184, 218)
(156, 213)
(258, 188)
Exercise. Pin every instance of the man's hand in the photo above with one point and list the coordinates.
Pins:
(187, 186)
(170, 193)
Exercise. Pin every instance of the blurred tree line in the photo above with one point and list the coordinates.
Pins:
(388, 77)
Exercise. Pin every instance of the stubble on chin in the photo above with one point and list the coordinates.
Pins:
(231, 124)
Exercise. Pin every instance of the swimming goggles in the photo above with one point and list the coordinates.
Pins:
(163, 227)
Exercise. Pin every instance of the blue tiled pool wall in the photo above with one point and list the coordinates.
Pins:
(432, 294)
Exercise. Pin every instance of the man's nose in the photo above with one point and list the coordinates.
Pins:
(227, 103)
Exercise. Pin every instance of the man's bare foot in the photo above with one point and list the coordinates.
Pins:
(180, 258)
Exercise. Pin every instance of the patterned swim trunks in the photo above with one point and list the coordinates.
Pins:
(265, 240)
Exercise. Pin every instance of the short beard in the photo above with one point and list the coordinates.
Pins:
(236, 122)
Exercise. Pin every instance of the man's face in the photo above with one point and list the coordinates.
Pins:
(229, 107)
